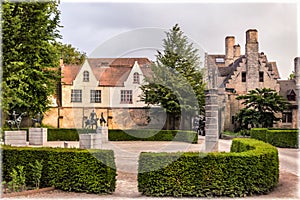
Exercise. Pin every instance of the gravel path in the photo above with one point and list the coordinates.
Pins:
(126, 154)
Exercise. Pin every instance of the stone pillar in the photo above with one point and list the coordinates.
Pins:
(229, 49)
(103, 131)
(90, 141)
(37, 136)
(15, 138)
(297, 79)
(211, 121)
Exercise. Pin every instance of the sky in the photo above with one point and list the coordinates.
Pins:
(133, 29)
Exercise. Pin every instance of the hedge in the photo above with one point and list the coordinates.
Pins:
(252, 167)
(285, 138)
(153, 135)
(75, 170)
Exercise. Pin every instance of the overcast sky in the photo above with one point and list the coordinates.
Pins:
(103, 29)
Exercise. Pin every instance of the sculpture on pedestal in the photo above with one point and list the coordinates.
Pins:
(37, 120)
(92, 120)
(102, 120)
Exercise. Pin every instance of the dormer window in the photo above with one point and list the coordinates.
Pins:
(86, 77)
(291, 96)
(136, 78)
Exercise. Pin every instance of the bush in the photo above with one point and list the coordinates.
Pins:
(76, 170)
(66, 134)
(285, 138)
(259, 134)
(153, 135)
(251, 168)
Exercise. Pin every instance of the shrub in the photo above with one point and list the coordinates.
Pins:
(259, 134)
(153, 135)
(76, 170)
(251, 168)
(285, 138)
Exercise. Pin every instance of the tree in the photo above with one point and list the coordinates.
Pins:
(261, 106)
(69, 54)
(30, 60)
(176, 84)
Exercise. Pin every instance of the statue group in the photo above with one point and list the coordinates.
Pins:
(93, 120)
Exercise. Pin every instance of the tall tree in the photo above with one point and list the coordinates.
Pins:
(176, 83)
(261, 106)
(30, 59)
(70, 54)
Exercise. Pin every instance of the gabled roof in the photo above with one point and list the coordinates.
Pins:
(109, 71)
(286, 87)
(273, 68)
(69, 73)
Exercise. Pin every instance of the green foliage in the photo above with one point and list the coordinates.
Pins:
(76, 170)
(279, 138)
(69, 54)
(261, 105)
(18, 179)
(176, 83)
(36, 170)
(252, 167)
(29, 58)
(153, 135)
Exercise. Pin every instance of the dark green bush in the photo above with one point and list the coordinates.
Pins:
(66, 134)
(259, 134)
(251, 168)
(66, 169)
(153, 135)
(285, 138)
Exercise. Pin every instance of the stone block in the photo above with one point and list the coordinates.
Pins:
(15, 138)
(103, 131)
(90, 141)
(38, 136)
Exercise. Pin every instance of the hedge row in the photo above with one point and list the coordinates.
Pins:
(66, 169)
(285, 138)
(252, 167)
(153, 135)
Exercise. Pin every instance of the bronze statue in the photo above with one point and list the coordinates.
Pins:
(102, 120)
(92, 120)
(15, 121)
(36, 120)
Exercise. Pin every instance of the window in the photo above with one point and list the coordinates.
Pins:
(291, 96)
(95, 96)
(126, 96)
(232, 119)
(287, 117)
(76, 96)
(86, 77)
(220, 60)
(261, 76)
(244, 76)
(136, 78)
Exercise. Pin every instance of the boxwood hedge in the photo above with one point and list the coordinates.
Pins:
(252, 167)
(76, 170)
(285, 138)
(153, 135)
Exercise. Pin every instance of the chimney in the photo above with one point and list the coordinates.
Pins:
(229, 51)
(251, 42)
(236, 52)
(297, 70)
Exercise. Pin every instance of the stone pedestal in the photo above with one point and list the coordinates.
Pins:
(103, 131)
(37, 136)
(90, 141)
(15, 138)
(211, 121)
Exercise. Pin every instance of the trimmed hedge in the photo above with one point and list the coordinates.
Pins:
(153, 135)
(252, 167)
(283, 138)
(75, 170)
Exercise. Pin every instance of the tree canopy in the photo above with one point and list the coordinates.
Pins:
(261, 106)
(29, 59)
(176, 83)
(70, 54)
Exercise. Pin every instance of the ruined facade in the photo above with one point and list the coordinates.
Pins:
(238, 74)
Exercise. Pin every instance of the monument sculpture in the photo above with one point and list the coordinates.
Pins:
(92, 120)
(15, 121)
(37, 120)
(102, 120)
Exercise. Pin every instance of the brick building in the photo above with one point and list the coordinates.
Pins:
(238, 74)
